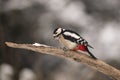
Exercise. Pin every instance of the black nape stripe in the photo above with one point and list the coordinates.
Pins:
(70, 38)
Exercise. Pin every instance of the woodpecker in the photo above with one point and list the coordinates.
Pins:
(72, 40)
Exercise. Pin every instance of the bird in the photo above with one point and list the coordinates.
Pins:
(72, 40)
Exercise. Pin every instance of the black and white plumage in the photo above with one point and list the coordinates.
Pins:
(72, 40)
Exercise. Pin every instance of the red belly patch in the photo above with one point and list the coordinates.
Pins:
(80, 47)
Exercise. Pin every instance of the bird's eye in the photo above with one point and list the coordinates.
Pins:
(55, 32)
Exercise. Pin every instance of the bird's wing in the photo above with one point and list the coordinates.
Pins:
(83, 42)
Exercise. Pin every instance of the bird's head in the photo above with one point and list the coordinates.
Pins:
(57, 32)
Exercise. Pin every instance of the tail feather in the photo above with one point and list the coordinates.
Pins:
(90, 53)
(90, 46)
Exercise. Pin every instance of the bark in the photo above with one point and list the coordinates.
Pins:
(71, 55)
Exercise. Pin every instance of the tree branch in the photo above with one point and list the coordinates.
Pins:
(72, 55)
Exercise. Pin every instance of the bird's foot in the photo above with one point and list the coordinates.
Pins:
(65, 49)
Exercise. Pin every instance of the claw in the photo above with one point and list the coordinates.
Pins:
(65, 49)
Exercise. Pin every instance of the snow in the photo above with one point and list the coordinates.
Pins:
(38, 44)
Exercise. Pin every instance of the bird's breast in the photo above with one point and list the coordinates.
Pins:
(68, 44)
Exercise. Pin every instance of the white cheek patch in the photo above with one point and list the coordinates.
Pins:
(72, 35)
(59, 31)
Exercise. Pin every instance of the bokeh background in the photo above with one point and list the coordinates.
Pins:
(30, 21)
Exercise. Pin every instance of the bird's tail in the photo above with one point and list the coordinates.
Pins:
(90, 46)
(90, 53)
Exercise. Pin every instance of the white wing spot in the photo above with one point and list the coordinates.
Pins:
(72, 35)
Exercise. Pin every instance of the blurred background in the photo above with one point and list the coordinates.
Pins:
(30, 21)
